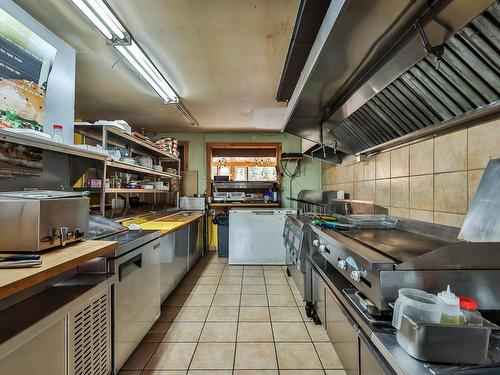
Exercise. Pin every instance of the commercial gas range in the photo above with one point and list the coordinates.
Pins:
(312, 205)
(382, 254)
(296, 238)
(356, 275)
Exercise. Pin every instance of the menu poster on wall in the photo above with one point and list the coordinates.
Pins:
(19, 160)
(25, 64)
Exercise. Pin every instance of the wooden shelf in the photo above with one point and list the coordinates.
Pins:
(139, 169)
(48, 144)
(118, 138)
(136, 191)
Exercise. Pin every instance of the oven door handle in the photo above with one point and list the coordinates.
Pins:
(129, 266)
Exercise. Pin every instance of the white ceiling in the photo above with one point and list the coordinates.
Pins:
(223, 57)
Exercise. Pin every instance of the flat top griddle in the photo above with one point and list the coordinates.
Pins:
(396, 244)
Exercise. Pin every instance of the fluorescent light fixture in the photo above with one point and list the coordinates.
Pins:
(99, 13)
(148, 71)
(93, 18)
(107, 17)
(151, 69)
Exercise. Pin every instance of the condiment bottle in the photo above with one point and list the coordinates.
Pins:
(470, 315)
(57, 133)
(450, 307)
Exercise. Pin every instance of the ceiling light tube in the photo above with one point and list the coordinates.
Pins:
(93, 18)
(153, 71)
(124, 51)
(108, 17)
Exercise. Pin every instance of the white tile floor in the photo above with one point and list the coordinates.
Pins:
(239, 320)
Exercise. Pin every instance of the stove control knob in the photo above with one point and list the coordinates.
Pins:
(316, 243)
(342, 264)
(356, 276)
(323, 249)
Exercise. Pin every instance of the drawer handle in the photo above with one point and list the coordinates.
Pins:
(135, 263)
(263, 212)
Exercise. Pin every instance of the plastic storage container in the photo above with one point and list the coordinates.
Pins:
(418, 305)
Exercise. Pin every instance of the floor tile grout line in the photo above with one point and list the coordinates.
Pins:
(309, 334)
(272, 329)
(204, 322)
(158, 343)
(237, 321)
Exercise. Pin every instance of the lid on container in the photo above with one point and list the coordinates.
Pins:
(468, 303)
(57, 126)
(449, 297)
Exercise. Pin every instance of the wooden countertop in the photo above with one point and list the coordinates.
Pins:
(54, 262)
(236, 204)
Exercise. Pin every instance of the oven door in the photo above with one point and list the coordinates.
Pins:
(137, 298)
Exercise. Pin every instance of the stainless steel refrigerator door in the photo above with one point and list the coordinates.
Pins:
(181, 253)
(167, 266)
(137, 298)
(195, 241)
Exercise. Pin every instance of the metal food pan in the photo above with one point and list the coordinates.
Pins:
(442, 343)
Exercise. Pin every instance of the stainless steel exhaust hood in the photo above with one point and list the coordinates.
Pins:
(395, 90)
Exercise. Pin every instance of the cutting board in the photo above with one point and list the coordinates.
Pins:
(160, 225)
(126, 223)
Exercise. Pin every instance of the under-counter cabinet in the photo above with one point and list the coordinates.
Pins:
(41, 354)
(196, 241)
(179, 251)
(65, 329)
(167, 265)
(369, 360)
(318, 292)
(137, 297)
(343, 333)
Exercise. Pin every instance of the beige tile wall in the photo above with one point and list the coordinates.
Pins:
(432, 180)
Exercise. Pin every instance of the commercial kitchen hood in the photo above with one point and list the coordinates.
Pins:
(369, 84)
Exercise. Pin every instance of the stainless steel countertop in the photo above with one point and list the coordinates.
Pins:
(384, 338)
